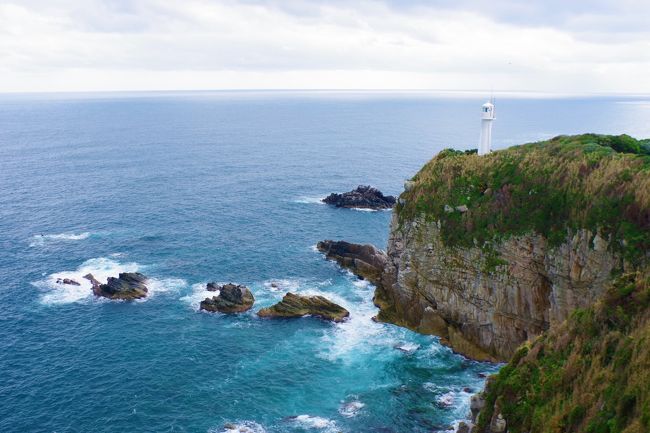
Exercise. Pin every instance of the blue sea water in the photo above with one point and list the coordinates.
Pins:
(196, 187)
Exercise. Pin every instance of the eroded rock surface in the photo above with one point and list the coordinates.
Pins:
(127, 286)
(485, 310)
(365, 261)
(232, 298)
(363, 197)
(293, 305)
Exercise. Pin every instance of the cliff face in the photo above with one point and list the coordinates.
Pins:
(589, 374)
(488, 252)
(486, 314)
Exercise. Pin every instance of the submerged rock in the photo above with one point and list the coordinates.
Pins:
(232, 298)
(293, 305)
(68, 281)
(364, 197)
(127, 286)
(365, 261)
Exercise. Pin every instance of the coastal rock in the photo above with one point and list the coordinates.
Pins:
(476, 405)
(536, 239)
(232, 298)
(93, 280)
(127, 286)
(363, 197)
(68, 281)
(462, 428)
(293, 305)
(486, 313)
(365, 261)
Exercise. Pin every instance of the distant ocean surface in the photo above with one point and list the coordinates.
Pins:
(196, 187)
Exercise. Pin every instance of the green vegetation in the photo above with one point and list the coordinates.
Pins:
(591, 374)
(595, 182)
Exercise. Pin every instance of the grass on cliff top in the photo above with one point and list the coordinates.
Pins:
(595, 182)
(591, 374)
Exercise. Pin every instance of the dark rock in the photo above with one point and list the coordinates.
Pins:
(364, 197)
(293, 305)
(232, 298)
(93, 280)
(462, 428)
(128, 286)
(476, 405)
(365, 261)
(67, 281)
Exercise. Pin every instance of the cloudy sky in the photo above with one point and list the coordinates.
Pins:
(559, 46)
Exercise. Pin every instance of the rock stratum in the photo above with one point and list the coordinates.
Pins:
(489, 252)
(363, 197)
(293, 305)
(365, 261)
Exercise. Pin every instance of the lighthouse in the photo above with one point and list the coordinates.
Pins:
(487, 116)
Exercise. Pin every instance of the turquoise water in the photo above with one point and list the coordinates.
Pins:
(196, 187)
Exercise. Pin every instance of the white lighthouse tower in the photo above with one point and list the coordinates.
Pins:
(487, 116)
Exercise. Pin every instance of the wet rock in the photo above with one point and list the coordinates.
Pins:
(92, 279)
(232, 298)
(476, 405)
(213, 287)
(293, 305)
(68, 281)
(462, 428)
(365, 261)
(364, 197)
(127, 286)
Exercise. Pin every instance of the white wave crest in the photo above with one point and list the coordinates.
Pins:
(39, 240)
(283, 284)
(310, 200)
(242, 427)
(315, 422)
(101, 268)
(198, 294)
(351, 408)
(407, 347)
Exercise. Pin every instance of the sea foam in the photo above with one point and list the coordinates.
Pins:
(315, 422)
(101, 268)
(40, 240)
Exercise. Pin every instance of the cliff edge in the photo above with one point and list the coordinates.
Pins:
(488, 252)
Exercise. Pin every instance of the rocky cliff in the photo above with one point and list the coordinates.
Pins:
(488, 252)
(589, 374)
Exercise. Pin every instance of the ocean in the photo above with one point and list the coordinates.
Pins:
(193, 187)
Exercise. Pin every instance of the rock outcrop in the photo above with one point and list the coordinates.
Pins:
(67, 281)
(589, 374)
(127, 286)
(486, 313)
(488, 252)
(293, 305)
(363, 197)
(365, 261)
(232, 298)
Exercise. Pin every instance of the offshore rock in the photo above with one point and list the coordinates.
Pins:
(232, 298)
(365, 261)
(68, 281)
(364, 197)
(293, 305)
(127, 286)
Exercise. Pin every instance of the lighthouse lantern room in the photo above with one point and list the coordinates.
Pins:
(487, 116)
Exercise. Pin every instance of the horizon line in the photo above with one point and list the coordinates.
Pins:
(459, 92)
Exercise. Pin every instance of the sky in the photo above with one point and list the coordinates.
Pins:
(548, 46)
